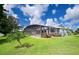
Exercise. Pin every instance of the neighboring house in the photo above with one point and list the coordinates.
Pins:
(46, 31)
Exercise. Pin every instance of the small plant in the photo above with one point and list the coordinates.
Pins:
(17, 35)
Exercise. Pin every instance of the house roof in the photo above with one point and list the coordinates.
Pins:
(59, 27)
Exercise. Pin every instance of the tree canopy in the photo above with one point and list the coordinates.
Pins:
(7, 23)
(77, 31)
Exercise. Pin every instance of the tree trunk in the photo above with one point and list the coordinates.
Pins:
(19, 41)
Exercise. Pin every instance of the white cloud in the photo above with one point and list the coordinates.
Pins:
(50, 22)
(36, 21)
(53, 11)
(71, 24)
(56, 20)
(74, 21)
(35, 12)
(72, 13)
(14, 15)
(9, 7)
(61, 18)
(67, 25)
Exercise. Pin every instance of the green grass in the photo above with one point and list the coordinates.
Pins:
(42, 46)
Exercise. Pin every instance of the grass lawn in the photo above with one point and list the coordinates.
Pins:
(42, 46)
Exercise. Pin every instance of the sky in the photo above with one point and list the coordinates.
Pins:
(54, 15)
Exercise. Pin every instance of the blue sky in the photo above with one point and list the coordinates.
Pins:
(47, 14)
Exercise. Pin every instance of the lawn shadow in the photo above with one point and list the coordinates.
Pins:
(76, 35)
(25, 45)
(2, 41)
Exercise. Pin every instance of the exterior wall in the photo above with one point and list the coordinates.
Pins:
(45, 31)
(35, 31)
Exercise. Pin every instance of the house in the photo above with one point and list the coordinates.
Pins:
(46, 31)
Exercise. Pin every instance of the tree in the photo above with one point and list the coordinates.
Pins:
(1, 11)
(77, 31)
(7, 23)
